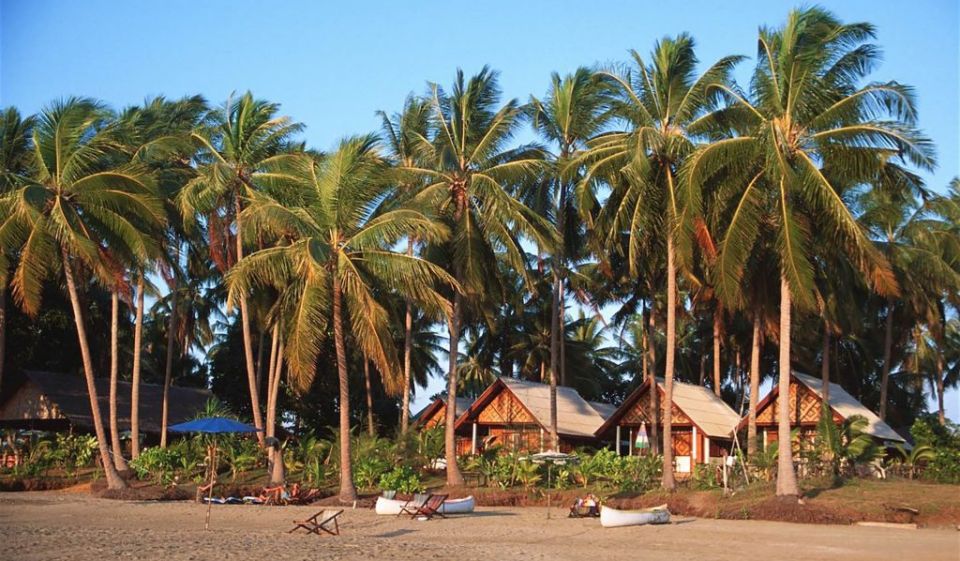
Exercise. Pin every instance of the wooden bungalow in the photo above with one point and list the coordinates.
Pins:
(806, 405)
(515, 414)
(702, 426)
(59, 402)
(435, 414)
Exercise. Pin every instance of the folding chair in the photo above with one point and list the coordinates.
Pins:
(320, 522)
(411, 506)
(433, 507)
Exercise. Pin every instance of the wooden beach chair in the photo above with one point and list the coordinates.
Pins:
(320, 522)
(433, 507)
(411, 506)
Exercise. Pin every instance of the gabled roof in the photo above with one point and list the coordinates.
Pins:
(576, 416)
(463, 403)
(846, 406)
(708, 412)
(69, 393)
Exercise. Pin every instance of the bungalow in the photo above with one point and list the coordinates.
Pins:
(806, 404)
(515, 414)
(702, 425)
(434, 414)
(59, 402)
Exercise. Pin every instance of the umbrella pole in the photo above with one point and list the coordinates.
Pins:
(213, 480)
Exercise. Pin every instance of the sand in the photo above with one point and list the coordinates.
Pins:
(43, 526)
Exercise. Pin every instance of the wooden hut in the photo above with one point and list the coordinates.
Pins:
(515, 414)
(702, 425)
(59, 402)
(435, 414)
(806, 405)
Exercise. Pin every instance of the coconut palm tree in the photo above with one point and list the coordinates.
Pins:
(805, 135)
(661, 106)
(15, 154)
(407, 138)
(571, 113)
(243, 150)
(334, 251)
(82, 204)
(469, 175)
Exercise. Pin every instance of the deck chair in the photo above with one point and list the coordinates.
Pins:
(411, 506)
(320, 521)
(433, 507)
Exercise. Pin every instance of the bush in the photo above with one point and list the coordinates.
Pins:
(159, 464)
(401, 479)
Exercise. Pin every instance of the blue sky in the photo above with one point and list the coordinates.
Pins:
(332, 64)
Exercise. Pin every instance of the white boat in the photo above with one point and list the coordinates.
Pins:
(450, 506)
(613, 518)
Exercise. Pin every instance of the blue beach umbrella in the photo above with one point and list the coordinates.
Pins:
(213, 425)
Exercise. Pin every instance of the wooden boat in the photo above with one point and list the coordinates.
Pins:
(450, 506)
(613, 518)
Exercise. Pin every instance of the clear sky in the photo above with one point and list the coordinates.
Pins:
(332, 64)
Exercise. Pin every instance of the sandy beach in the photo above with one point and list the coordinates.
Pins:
(43, 526)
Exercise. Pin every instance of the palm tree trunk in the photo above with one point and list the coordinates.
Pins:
(454, 477)
(654, 391)
(366, 383)
(717, 319)
(135, 383)
(3, 326)
(260, 352)
(277, 469)
(941, 414)
(825, 364)
(554, 360)
(407, 357)
(168, 369)
(644, 362)
(247, 339)
(887, 351)
(114, 372)
(348, 492)
(786, 478)
(270, 423)
(668, 481)
(114, 481)
(754, 386)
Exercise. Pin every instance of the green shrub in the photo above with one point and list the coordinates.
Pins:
(159, 464)
(402, 479)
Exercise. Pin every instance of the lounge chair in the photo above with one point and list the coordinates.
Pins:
(411, 506)
(433, 507)
(320, 522)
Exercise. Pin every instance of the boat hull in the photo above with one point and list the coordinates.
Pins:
(613, 518)
(455, 506)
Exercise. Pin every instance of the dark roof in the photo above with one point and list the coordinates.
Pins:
(463, 403)
(69, 393)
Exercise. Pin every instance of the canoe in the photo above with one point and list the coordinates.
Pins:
(613, 518)
(450, 506)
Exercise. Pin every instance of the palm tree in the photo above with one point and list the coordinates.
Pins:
(82, 203)
(469, 175)
(15, 133)
(571, 114)
(160, 130)
(407, 138)
(662, 106)
(807, 133)
(243, 151)
(334, 253)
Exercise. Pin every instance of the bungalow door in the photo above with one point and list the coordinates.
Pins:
(683, 450)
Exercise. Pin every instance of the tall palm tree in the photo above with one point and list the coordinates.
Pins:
(470, 173)
(662, 106)
(243, 151)
(335, 252)
(81, 203)
(160, 135)
(807, 133)
(570, 114)
(15, 155)
(407, 138)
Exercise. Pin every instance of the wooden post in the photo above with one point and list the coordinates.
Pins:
(693, 453)
(541, 439)
(706, 449)
(473, 442)
(618, 440)
(630, 444)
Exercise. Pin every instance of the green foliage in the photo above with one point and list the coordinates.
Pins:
(74, 451)
(402, 479)
(705, 477)
(159, 464)
(936, 453)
